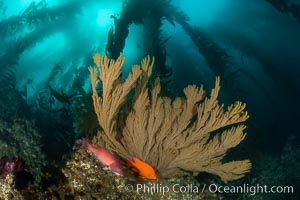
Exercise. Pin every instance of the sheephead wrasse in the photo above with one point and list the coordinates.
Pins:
(105, 157)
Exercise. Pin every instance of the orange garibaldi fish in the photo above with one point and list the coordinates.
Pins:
(144, 170)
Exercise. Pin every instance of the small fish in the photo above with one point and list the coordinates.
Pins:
(105, 157)
(144, 170)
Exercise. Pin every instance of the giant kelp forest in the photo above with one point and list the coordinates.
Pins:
(239, 127)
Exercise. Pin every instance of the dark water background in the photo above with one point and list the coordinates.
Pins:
(254, 45)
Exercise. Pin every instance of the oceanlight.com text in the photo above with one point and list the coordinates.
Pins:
(250, 189)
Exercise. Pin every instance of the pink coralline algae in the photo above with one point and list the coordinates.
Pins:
(11, 165)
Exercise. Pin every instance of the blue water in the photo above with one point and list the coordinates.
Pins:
(259, 38)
